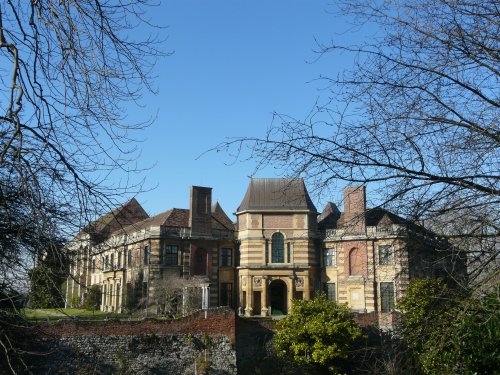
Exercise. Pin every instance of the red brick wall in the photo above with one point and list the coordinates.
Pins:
(221, 321)
(278, 221)
(354, 209)
(361, 257)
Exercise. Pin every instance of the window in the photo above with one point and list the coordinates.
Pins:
(288, 252)
(129, 260)
(226, 294)
(278, 248)
(329, 258)
(226, 257)
(329, 289)
(106, 262)
(112, 261)
(386, 297)
(118, 295)
(171, 257)
(146, 255)
(93, 265)
(386, 254)
(119, 260)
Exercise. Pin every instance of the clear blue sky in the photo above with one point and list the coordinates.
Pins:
(234, 64)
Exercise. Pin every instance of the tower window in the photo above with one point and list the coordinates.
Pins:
(278, 248)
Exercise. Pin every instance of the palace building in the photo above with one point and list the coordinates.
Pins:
(280, 249)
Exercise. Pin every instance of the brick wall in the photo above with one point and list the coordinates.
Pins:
(220, 321)
(141, 347)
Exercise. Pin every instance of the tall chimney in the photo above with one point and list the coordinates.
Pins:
(200, 211)
(355, 209)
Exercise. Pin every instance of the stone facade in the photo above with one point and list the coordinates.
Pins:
(196, 243)
(280, 249)
(362, 257)
(198, 344)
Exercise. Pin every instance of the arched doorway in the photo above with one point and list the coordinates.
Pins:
(278, 297)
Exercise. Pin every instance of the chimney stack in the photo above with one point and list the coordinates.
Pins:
(355, 209)
(200, 211)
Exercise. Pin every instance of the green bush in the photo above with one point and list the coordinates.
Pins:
(93, 299)
(318, 332)
(450, 332)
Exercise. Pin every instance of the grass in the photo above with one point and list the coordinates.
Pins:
(56, 314)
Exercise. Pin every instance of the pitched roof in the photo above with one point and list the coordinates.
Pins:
(179, 217)
(332, 218)
(219, 218)
(276, 194)
(328, 218)
(120, 217)
(176, 217)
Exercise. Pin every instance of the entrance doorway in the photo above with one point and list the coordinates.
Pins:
(278, 297)
(256, 303)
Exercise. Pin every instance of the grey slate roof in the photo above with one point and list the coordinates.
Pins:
(276, 194)
(179, 217)
(332, 218)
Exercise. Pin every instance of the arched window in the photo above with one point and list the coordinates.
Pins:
(355, 262)
(278, 248)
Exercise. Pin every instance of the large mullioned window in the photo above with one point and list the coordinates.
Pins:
(171, 255)
(278, 248)
(386, 297)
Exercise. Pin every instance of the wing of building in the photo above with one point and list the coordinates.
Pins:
(280, 249)
(175, 244)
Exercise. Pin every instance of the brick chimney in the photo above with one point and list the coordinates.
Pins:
(355, 209)
(200, 211)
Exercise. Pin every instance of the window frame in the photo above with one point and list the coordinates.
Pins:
(146, 255)
(130, 258)
(387, 303)
(329, 253)
(330, 288)
(170, 258)
(226, 257)
(385, 258)
(278, 248)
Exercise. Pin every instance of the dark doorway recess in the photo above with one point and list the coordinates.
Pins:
(278, 297)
